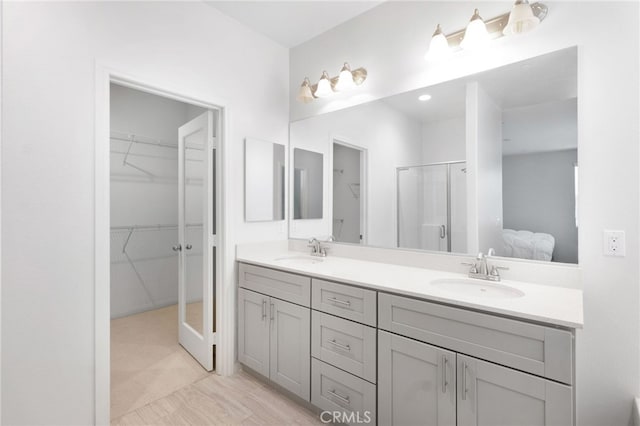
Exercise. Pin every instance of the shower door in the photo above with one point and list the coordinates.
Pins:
(431, 207)
(197, 238)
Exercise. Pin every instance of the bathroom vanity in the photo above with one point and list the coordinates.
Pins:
(403, 345)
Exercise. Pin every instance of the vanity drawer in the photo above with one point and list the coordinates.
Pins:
(354, 303)
(335, 390)
(282, 285)
(545, 351)
(344, 344)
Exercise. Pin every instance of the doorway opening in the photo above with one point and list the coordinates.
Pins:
(163, 245)
(349, 193)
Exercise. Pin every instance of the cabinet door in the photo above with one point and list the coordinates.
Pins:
(253, 331)
(290, 347)
(416, 383)
(491, 395)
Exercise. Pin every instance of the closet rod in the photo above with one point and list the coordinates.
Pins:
(160, 144)
(152, 227)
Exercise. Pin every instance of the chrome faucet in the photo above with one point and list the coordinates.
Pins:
(316, 248)
(481, 269)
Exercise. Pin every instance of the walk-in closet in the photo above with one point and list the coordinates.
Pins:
(163, 245)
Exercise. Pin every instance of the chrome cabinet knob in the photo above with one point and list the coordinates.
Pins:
(177, 247)
(188, 246)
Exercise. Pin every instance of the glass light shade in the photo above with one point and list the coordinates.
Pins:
(324, 87)
(438, 47)
(345, 79)
(521, 19)
(476, 35)
(304, 94)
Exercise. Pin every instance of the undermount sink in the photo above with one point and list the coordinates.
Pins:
(301, 260)
(479, 288)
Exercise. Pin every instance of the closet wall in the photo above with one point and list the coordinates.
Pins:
(144, 199)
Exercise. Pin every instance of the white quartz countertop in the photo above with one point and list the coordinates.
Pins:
(541, 303)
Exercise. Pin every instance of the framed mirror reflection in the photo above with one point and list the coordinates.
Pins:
(265, 180)
(308, 183)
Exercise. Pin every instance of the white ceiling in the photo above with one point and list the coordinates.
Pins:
(543, 79)
(291, 23)
(537, 97)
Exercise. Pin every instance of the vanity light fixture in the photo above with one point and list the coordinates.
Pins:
(522, 18)
(323, 88)
(475, 35)
(326, 86)
(304, 94)
(345, 79)
(439, 46)
(424, 97)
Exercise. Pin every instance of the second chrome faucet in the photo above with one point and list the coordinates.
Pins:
(317, 249)
(481, 269)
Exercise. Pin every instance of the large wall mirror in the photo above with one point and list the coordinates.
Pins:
(264, 179)
(489, 160)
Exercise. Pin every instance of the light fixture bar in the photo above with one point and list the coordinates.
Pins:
(307, 92)
(496, 25)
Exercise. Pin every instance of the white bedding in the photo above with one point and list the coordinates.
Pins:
(528, 245)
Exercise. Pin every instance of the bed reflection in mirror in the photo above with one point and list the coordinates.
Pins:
(489, 161)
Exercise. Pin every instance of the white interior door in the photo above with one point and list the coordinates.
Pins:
(197, 238)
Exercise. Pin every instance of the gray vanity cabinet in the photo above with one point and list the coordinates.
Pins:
(274, 340)
(416, 383)
(290, 341)
(490, 395)
(253, 331)
(344, 347)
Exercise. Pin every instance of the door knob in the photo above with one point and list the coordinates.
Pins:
(177, 247)
(188, 247)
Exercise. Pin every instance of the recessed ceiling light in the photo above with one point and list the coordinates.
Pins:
(424, 97)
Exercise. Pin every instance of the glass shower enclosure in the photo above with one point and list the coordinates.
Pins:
(432, 207)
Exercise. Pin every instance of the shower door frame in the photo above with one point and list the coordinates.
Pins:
(397, 200)
(224, 337)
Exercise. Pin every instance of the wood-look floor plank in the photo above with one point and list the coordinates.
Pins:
(240, 399)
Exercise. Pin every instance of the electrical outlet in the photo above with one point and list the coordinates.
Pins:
(614, 244)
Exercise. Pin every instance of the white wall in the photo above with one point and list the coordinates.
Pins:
(484, 171)
(444, 141)
(397, 34)
(49, 57)
(391, 140)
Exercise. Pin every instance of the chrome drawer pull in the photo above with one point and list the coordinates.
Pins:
(339, 345)
(444, 374)
(344, 399)
(464, 381)
(340, 302)
(264, 309)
